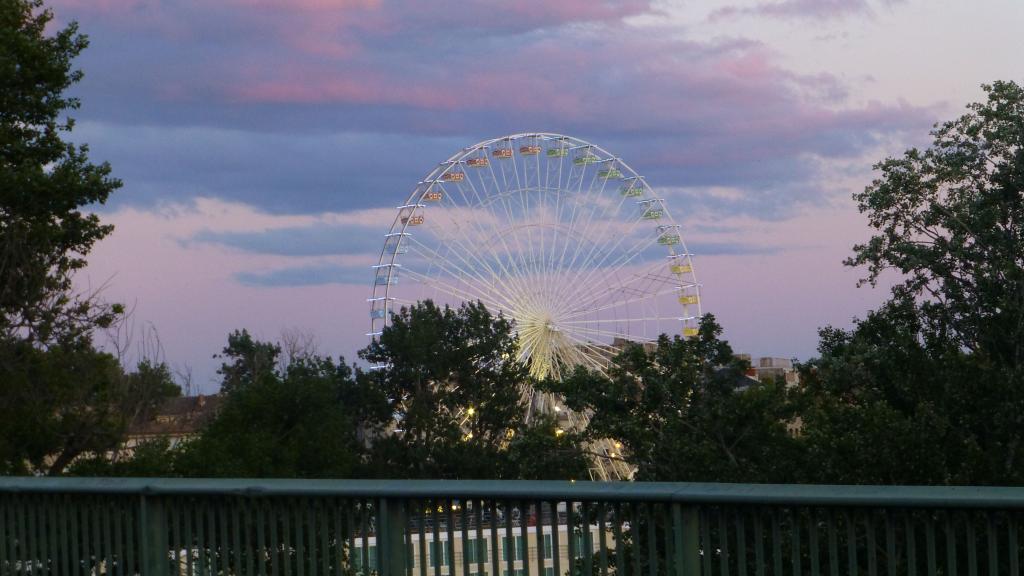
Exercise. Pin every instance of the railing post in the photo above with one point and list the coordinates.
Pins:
(686, 532)
(152, 536)
(391, 537)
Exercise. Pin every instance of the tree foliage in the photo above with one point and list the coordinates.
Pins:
(306, 420)
(61, 399)
(456, 390)
(932, 384)
(685, 410)
(950, 219)
(45, 181)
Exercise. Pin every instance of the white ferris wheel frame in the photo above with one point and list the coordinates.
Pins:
(500, 287)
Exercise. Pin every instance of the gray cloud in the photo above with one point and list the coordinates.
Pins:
(316, 240)
(240, 104)
(306, 276)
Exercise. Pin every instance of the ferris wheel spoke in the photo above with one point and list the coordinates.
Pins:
(474, 247)
(583, 290)
(591, 266)
(454, 290)
(516, 275)
(466, 252)
(590, 262)
(541, 233)
(608, 333)
(590, 199)
(596, 356)
(619, 320)
(613, 296)
(620, 303)
(453, 269)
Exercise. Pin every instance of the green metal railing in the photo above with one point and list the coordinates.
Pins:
(161, 527)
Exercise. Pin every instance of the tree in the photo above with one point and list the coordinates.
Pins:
(950, 219)
(72, 402)
(932, 384)
(57, 392)
(456, 389)
(308, 419)
(44, 181)
(684, 410)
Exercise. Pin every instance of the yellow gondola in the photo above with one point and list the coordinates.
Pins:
(688, 299)
(690, 332)
(681, 268)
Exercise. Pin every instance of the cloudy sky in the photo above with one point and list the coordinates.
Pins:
(265, 143)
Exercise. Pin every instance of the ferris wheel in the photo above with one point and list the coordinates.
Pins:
(551, 231)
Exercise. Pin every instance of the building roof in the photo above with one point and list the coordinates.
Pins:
(180, 416)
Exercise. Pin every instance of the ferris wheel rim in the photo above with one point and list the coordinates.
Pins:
(436, 177)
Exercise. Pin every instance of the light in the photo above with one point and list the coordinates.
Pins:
(467, 437)
(618, 445)
(558, 408)
(470, 411)
(559, 431)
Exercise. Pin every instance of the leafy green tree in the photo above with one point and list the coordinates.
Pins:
(59, 396)
(930, 388)
(44, 182)
(950, 220)
(685, 410)
(308, 419)
(72, 402)
(456, 390)
(881, 394)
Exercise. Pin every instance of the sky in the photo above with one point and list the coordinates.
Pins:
(264, 144)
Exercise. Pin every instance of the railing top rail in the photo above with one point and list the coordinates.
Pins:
(683, 492)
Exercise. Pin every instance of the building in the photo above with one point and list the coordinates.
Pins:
(175, 420)
(764, 368)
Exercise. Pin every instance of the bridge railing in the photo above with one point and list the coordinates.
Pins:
(197, 527)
